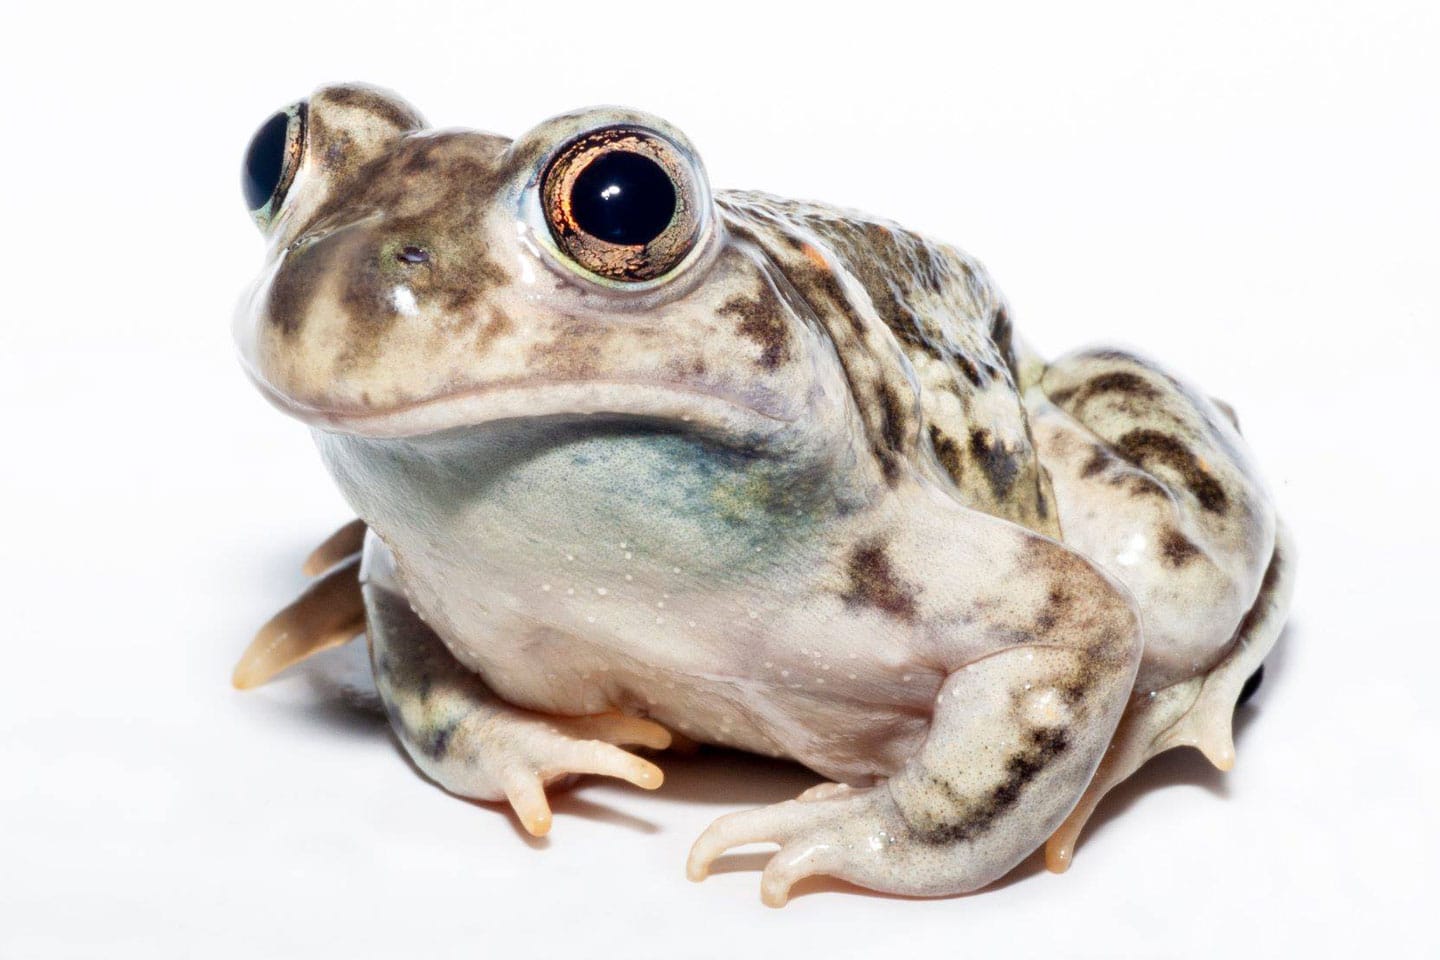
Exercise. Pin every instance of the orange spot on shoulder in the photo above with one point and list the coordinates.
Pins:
(813, 254)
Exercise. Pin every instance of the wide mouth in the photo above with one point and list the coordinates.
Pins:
(684, 403)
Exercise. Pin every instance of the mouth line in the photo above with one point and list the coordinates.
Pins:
(541, 398)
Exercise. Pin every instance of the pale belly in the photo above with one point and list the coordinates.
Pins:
(631, 574)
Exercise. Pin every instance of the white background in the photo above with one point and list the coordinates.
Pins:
(1247, 191)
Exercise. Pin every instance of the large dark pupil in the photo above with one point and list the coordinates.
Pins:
(623, 198)
(265, 161)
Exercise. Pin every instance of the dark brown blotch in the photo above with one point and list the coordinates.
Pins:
(1099, 459)
(293, 290)
(1145, 448)
(762, 320)
(1176, 548)
(948, 452)
(995, 458)
(873, 583)
(1002, 333)
(1057, 603)
(889, 443)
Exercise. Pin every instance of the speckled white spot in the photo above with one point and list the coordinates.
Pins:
(403, 298)
(1133, 551)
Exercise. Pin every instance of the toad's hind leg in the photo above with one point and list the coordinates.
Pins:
(1193, 713)
(1038, 650)
(1153, 483)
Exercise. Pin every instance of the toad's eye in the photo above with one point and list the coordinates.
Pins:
(271, 161)
(624, 203)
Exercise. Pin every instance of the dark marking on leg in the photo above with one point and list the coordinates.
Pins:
(1149, 447)
(1057, 601)
(1116, 381)
(1176, 548)
(1099, 459)
(436, 741)
(1043, 745)
(1141, 485)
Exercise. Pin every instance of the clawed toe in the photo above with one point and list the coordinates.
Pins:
(618, 729)
(797, 826)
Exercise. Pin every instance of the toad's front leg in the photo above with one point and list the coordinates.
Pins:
(472, 743)
(1017, 732)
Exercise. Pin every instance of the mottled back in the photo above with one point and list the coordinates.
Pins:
(925, 341)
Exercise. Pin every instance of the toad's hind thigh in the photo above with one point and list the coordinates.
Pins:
(1153, 483)
(1192, 713)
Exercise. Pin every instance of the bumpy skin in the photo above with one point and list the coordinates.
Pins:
(806, 495)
